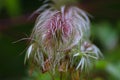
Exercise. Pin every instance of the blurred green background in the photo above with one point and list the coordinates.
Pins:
(15, 24)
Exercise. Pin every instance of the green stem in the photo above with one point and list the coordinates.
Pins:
(61, 75)
(52, 76)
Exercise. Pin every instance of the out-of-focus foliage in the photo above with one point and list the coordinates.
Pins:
(12, 7)
(105, 30)
(106, 33)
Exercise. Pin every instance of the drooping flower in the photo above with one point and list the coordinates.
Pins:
(60, 39)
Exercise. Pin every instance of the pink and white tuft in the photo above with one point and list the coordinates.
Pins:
(61, 29)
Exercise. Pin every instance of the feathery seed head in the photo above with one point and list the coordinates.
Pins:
(60, 38)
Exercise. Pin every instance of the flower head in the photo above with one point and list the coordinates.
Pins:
(58, 38)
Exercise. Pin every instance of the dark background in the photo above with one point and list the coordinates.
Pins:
(15, 24)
